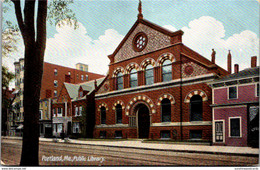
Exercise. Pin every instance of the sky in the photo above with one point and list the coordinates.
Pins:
(220, 24)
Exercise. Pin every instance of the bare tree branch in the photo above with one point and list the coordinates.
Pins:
(29, 9)
(41, 24)
(18, 13)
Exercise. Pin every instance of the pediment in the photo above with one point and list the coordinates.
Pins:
(156, 38)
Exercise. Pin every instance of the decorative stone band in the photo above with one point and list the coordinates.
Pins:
(166, 56)
(119, 102)
(140, 98)
(61, 119)
(118, 70)
(146, 62)
(112, 126)
(195, 123)
(102, 105)
(131, 66)
(166, 96)
(196, 92)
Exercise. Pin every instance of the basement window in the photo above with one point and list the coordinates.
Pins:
(102, 134)
(118, 134)
(196, 134)
(165, 134)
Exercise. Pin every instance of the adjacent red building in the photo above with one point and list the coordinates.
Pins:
(156, 88)
(236, 108)
(73, 112)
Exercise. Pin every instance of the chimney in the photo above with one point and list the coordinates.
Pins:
(95, 83)
(236, 68)
(213, 54)
(229, 62)
(253, 61)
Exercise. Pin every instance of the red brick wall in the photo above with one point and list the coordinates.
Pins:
(156, 117)
(154, 95)
(49, 77)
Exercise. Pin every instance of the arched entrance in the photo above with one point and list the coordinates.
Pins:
(143, 120)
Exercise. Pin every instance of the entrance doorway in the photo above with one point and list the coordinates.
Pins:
(143, 121)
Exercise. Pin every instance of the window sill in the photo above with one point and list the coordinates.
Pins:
(232, 98)
(165, 138)
(235, 137)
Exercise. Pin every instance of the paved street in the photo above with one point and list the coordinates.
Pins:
(72, 154)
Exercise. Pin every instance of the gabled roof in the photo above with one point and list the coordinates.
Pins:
(72, 89)
(89, 86)
(149, 24)
(200, 59)
(246, 73)
(86, 87)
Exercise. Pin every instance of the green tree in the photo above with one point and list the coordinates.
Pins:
(32, 22)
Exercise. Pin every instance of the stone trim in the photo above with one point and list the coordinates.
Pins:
(195, 123)
(144, 98)
(147, 62)
(102, 105)
(131, 66)
(166, 96)
(112, 126)
(196, 92)
(118, 70)
(165, 56)
(158, 86)
(118, 102)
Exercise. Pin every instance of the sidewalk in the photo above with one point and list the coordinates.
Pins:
(138, 144)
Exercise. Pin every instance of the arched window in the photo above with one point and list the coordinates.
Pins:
(166, 71)
(149, 77)
(133, 78)
(118, 113)
(119, 81)
(196, 108)
(166, 110)
(103, 115)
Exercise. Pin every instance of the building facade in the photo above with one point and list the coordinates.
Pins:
(236, 108)
(52, 81)
(156, 88)
(73, 112)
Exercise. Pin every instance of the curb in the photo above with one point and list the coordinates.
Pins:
(174, 150)
(154, 149)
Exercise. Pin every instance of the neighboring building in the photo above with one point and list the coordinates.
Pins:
(45, 122)
(19, 86)
(53, 78)
(236, 108)
(8, 97)
(73, 113)
(156, 88)
(82, 67)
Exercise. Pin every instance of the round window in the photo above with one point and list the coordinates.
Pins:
(140, 41)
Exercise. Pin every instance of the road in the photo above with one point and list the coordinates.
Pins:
(59, 154)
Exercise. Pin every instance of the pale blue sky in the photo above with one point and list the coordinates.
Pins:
(99, 15)
(220, 24)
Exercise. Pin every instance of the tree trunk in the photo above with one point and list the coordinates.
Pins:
(33, 70)
(32, 87)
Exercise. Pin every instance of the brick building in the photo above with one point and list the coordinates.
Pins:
(74, 110)
(236, 108)
(53, 78)
(156, 88)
